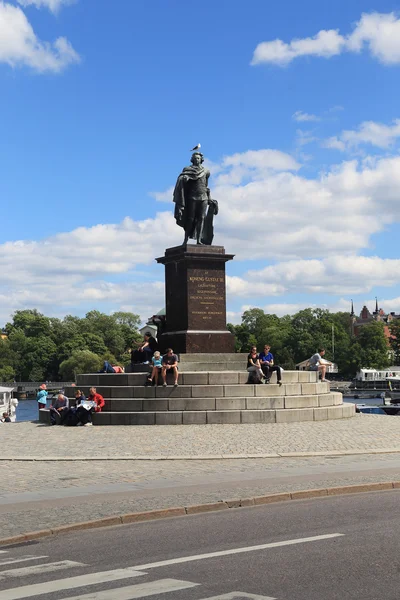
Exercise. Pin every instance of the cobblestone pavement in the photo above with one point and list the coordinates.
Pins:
(42, 494)
(360, 433)
(83, 490)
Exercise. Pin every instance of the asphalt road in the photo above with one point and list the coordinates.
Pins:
(323, 549)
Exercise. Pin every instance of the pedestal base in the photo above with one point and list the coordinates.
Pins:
(204, 342)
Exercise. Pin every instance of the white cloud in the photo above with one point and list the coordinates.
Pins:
(300, 116)
(19, 45)
(378, 32)
(53, 5)
(369, 132)
(163, 196)
(316, 228)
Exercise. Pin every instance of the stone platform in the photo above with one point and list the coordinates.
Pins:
(211, 396)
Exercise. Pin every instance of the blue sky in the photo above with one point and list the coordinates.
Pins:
(101, 102)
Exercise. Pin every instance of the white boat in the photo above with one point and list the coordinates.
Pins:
(8, 404)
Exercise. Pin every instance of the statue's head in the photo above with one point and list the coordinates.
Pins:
(197, 159)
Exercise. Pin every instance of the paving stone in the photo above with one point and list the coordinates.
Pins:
(337, 398)
(194, 417)
(142, 418)
(335, 412)
(294, 415)
(207, 391)
(121, 392)
(258, 416)
(223, 378)
(320, 414)
(236, 390)
(269, 390)
(87, 380)
(144, 391)
(310, 388)
(111, 380)
(194, 378)
(301, 401)
(293, 389)
(169, 418)
(155, 404)
(125, 405)
(230, 403)
(290, 376)
(265, 403)
(191, 404)
(221, 417)
(181, 391)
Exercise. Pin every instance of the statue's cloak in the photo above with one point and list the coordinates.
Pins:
(179, 198)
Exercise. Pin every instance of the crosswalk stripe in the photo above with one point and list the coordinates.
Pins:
(185, 559)
(141, 590)
(40, 569)
(237, 596)
(8, 561)
(70, 583)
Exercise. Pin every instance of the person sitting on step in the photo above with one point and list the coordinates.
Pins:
(317, 363)
(253, 367)
(169, 363)
(156, 362)
(267, 365)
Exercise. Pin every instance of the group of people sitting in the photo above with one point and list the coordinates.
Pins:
(79, 413)
(261, 366)
(147, 353)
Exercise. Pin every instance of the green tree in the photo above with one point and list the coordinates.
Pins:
(81, 361)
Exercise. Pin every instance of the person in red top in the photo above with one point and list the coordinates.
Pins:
(85, 415)
(95, 397)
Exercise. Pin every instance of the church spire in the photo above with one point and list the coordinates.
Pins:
(352, 309)
(376, 304)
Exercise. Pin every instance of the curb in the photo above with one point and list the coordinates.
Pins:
(200, 456)
(166, 513)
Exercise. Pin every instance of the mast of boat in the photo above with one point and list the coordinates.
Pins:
(333, 342)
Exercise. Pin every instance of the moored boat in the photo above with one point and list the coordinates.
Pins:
(8, 404)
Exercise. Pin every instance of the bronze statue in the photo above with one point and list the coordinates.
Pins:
(194, 207)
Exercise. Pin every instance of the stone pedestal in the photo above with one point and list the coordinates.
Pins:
(196, 300)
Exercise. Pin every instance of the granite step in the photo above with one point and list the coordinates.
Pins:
(190, 378)
(222, 417)
(233, 403)
(206, 391)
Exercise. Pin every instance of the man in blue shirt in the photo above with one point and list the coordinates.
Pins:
(266, 359)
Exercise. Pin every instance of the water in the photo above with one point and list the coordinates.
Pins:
(368, 401)
(27, 410)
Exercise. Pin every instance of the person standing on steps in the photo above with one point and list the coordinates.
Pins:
(267, 365)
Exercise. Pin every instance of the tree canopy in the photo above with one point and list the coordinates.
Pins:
(40, 348)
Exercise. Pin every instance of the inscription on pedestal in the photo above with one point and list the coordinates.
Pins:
(206, 291)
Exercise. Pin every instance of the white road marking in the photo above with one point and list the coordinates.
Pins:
(70, 583)
(141, 590)
(3, 551)
(8, 561)
(40, 569)
(185, 559)
(239, 596)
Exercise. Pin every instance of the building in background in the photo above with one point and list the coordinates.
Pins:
(366, 317)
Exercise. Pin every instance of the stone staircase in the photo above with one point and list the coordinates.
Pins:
(212, 390)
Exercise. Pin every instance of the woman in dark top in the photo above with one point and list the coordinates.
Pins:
(253, 366)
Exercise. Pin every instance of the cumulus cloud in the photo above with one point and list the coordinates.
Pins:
(269, 214)
(53, 5)
(19, 45)
(300, 116)
(378, 32)
(369, 132)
